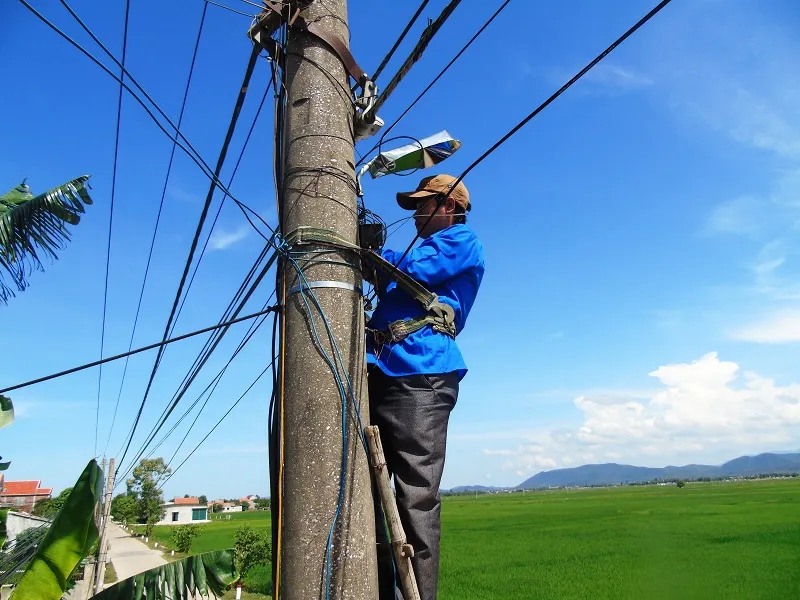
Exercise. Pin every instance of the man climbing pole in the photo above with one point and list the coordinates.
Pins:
(416, 366)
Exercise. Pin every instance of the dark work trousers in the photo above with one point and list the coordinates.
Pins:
(412, 414)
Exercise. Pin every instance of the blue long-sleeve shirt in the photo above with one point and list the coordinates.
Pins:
(448, 263)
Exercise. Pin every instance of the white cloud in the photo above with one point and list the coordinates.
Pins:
(617, 77)
(222, 239)
(778, 328)
(702, 411)
(743, 216)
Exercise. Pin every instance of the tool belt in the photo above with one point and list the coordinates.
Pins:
(402, 328)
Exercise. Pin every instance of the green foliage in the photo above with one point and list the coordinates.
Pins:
(680, 483)
(68, 540)
(258, 580)
(179, 580)
(124, 509)
(143, 485)
(49, 508)
(183, 535)
(245, 506)
(261, 503)
(252, 547)
(32, 535)
(6, 418)
(6, 411)
(203, 499)
(34, 227)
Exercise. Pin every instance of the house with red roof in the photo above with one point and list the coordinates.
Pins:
(23, 495)
(181, 511)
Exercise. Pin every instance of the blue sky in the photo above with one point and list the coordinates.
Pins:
(641, 301)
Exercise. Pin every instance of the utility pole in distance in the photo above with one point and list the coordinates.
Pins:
(318, 191)
(102, 553)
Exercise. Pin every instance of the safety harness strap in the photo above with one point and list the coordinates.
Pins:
(441, 316)
(402, 328)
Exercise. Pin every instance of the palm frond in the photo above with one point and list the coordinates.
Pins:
(195, 576)
(33, 227)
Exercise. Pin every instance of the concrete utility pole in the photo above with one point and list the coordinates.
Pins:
(100, 571)
(318, 192)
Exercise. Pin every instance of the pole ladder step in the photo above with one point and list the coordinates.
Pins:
(403, 551)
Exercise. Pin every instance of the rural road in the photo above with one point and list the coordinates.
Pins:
(130, 556)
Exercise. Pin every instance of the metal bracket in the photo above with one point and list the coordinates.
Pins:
(325, 284)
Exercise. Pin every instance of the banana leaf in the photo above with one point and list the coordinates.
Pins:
(69, 539)
(33, 227)
(180, 580)
(6, 411)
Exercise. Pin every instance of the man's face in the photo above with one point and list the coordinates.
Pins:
(442, 215)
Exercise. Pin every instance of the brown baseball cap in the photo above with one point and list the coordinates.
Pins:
(431, 186)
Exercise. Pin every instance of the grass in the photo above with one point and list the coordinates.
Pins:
(110, 574)
(215, 535)
(732, 540)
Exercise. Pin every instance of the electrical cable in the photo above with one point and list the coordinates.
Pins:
(400, 39)
(217, 424)
(433, 82)
(188, 149)
(233, 10)
(110, 228)
(212, 385)
(137, 351)
(209, 197)
(190, 378)
(222, 203)
(158, 214)
(416, 53)
(254, 327)
(567, 85)
(539, 109)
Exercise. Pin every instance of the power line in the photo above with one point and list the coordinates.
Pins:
(158, 214)
(189, 379)
(189, 149)
(416, 53)
(400, 39)
(224, 197)
(217, 424)
(567, 85)
(110, 225)
(544, 105)
(432, 83)
(255, 325)
(208, 348)
(209, 197)
(233, 10)
(138, 350)
(211, 386)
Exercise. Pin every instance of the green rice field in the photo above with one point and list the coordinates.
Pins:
(731, 540)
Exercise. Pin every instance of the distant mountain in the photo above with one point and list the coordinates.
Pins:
(612, 473)
(475, 488)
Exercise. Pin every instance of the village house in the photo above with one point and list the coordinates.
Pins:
(22, 495)
(184, 511)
